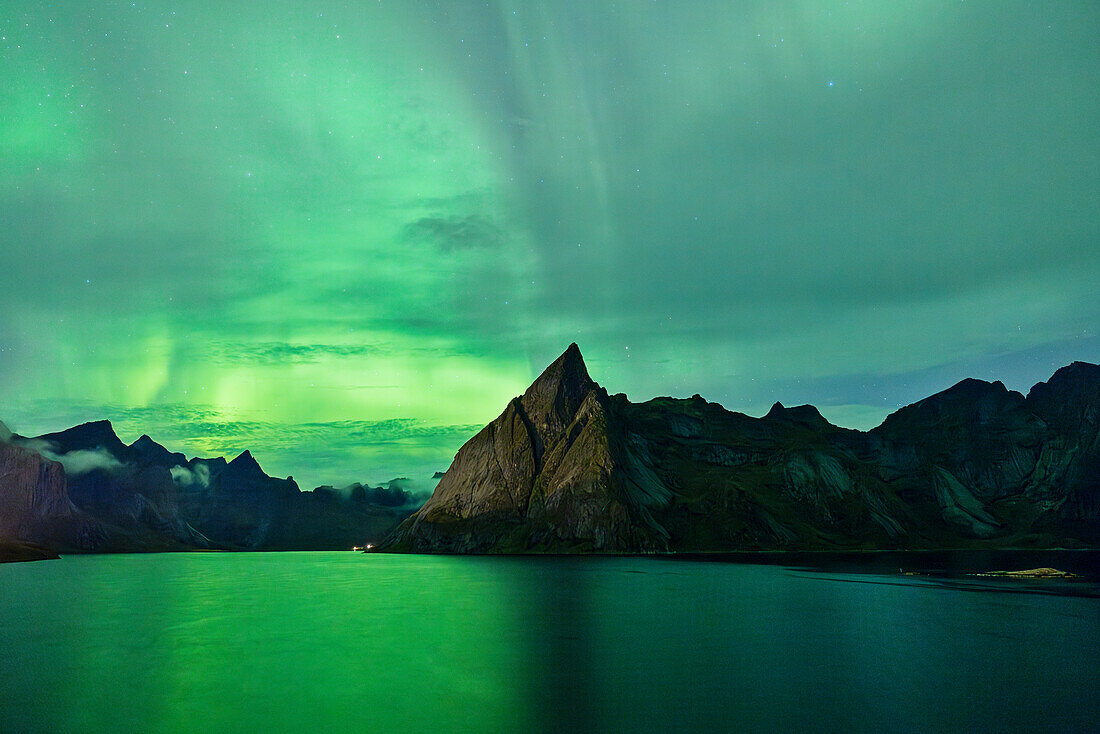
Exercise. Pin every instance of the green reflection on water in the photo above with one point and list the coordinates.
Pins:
(343, 641)
(290, 642)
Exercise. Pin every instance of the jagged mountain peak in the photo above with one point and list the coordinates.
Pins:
(245, 464)
(91, 435)
(966, 402)
(968, 390)
(560, 389)
(145, 449)
(972, 385)
(567, 372)
(566, 468)
(1079, 367)
(146, 445)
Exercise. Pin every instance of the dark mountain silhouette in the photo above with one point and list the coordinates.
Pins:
(83, 489)
(568, 468)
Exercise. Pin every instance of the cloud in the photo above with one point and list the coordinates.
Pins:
(457, 232)
(185, 477)
(418, 490)
(5, 434)
(284, 352)
(38, 445)
(384, 496)
(400, 492)
(77, 462)
(84, 461)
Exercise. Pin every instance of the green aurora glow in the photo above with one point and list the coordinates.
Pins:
(345, 234)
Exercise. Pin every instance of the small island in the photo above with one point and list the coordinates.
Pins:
(1031, 573)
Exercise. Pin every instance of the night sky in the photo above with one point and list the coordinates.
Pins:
(344, 235)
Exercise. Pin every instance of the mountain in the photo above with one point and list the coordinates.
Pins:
(552, 467)
(84, 490)
(568, 468)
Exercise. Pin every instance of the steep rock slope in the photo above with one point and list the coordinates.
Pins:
(35, 504)
(543, 473)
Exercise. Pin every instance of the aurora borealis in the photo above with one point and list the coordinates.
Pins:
(343, 235)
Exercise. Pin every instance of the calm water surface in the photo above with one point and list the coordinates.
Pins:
(289, 642)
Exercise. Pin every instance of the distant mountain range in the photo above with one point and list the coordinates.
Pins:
(84, 490)
(569, 468)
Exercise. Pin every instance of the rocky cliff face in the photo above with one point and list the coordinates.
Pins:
(35, 503)
(1069, 403)
(566, 467)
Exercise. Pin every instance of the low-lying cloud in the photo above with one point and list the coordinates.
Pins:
(76, 462)
(401, 492)
(83, 461)
(185, 477)
(417, 490)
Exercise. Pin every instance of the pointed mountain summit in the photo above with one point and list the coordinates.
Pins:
(561, 387)
(245, 467)
(552, 401)
(144, 443)
(245, 459)
(148, 451)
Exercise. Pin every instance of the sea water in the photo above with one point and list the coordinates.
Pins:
(297, 642)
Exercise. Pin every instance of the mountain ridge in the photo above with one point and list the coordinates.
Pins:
(83, 490)
(567, 467)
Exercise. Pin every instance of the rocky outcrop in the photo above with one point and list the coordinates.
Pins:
(568, 468)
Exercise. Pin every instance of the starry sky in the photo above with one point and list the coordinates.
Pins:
(345, 234)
